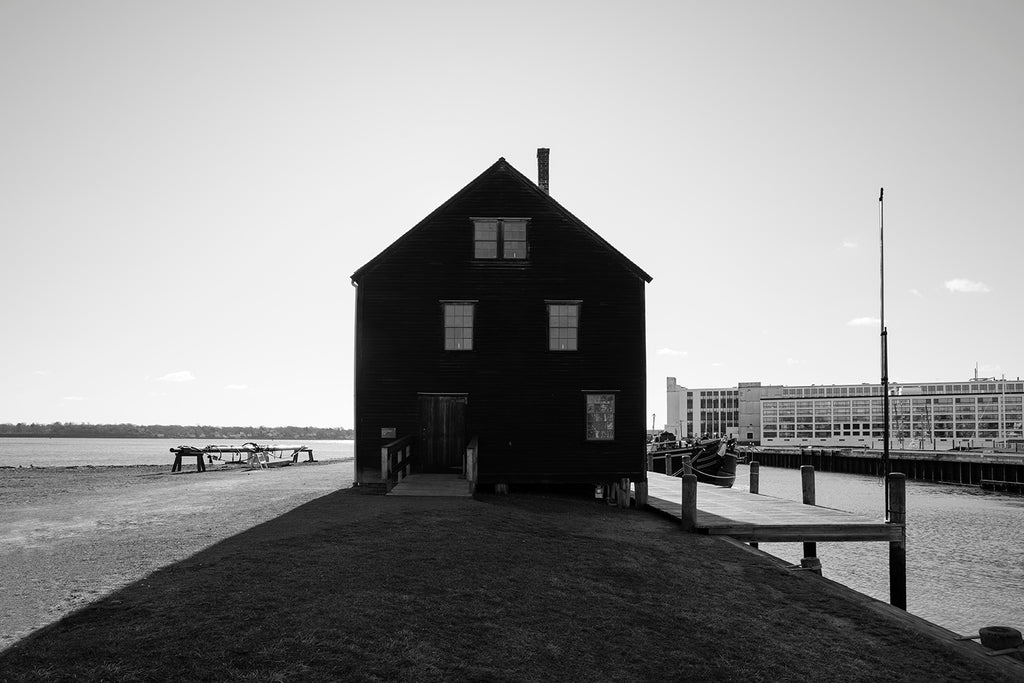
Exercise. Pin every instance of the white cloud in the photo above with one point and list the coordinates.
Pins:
(74, 398)
(181, 376)
(962, 284)
(237, 387)
(847, 244)
(866, 321)
(917, 293)
(671, 352)
(792, 361)
(717, 365)
(41, 373)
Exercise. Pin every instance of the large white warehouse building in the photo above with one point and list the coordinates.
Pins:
(979, 413)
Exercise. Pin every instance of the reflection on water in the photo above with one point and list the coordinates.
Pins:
(964, 546)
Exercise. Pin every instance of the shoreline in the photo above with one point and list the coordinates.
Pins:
(103, 452)
(214, 467)
(165, 438)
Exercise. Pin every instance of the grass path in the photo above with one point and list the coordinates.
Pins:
(517, 588)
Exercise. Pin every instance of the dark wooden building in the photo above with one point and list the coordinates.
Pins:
(502, 320)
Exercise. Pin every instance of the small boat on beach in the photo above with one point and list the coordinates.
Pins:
(713, 459)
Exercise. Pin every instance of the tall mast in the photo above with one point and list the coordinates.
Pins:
(885, 349)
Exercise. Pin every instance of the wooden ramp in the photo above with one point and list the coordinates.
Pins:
(753, 517)
(436, 485)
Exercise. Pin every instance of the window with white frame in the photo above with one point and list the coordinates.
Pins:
(458, 325)
(563, 325)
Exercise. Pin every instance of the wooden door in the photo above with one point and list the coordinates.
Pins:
(443, 432)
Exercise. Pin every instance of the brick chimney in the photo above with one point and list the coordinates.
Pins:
(542, 168)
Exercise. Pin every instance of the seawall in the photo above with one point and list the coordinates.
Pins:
(998, 471)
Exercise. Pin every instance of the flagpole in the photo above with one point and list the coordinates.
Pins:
(885, 349)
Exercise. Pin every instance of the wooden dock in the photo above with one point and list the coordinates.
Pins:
(754, 518)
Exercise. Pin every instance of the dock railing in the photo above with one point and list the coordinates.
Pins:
(395, 461)
(895, 520)
(470, 463)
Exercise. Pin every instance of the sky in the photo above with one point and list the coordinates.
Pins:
(186, 187)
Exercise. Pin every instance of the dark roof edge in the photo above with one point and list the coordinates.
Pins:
(590, 232)
(529, 184)
(369, 265)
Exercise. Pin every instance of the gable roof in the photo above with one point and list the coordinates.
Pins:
(499, 166)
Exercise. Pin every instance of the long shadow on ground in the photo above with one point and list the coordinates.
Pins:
(531, 587)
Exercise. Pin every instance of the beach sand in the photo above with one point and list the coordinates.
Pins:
(70, 535)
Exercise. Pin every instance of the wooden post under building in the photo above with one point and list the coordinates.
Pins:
(689, 502)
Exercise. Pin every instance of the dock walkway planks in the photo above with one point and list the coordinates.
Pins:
(754, 517)
(435, 485)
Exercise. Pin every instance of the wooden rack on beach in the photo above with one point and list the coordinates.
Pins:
(246, 453)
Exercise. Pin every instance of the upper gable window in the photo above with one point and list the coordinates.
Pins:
(500, 239)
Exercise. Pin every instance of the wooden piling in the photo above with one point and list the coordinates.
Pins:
(687, 467)
(689, 502)
(641, 494)
(807, 484)
(755, 483)
(896, 513)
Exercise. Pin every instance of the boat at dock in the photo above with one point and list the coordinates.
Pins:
(712, 459)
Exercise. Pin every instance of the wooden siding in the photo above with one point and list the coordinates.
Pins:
(525, 403)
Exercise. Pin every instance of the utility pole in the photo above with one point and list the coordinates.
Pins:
(885, 349)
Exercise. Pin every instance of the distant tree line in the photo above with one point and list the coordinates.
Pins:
(124, 431)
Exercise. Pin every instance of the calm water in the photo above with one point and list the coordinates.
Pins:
(64, 452)
(965, 547)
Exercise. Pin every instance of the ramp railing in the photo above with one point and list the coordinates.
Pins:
(469, 463)
(396, 461)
